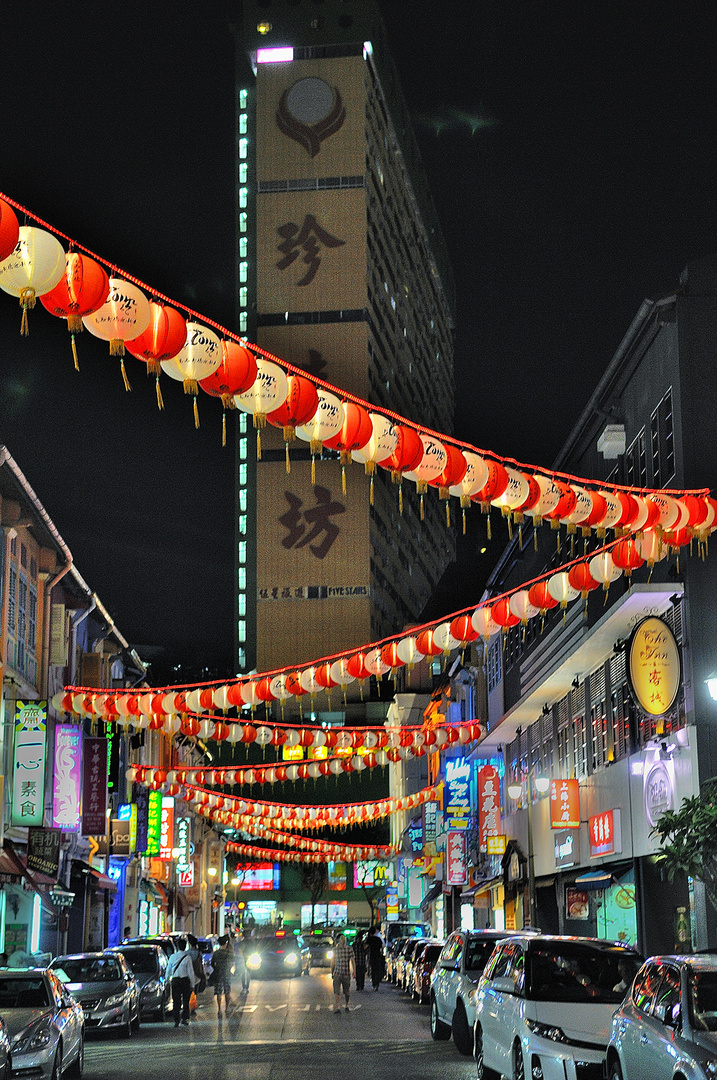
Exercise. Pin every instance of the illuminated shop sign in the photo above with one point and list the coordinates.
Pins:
(653, 666)
(564, 804)
(488, 804)
(154, 823)
(166, 837)
(28, 790)
(458, 803)
(67, 778)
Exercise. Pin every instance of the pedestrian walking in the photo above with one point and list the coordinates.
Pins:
(241, 951)
(222, 968)
(182, 979)
(342, 968)
(376, 957)
(359, 951)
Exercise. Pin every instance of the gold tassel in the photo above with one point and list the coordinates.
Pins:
(510, 526)
(489, 531)
(313, 469)
(124, 375)
(400, 499)
(160, 399)
(224, 428)
(74, 354)
(27, 301)
(196, 413)
(558, 543)
(343, 479)
(288, 459)
(421, 505)
(258, 444)
(464, 521)
(448, 515)
(116, 347)
(370, 490)
(520, 537)
(74, 323)
(535, 538)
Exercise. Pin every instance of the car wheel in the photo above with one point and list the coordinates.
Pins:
(482, 1072)
(78, 1065)
(518, 1063)
(126, 1030)
(614, 1072)
(439, 1031)
(462, 1034)
(161, 1013)
(57, 1064)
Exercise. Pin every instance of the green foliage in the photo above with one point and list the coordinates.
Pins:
(688, 839)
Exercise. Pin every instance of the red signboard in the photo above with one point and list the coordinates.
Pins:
(457, 867)
(488, 804)
(94, 787)
(602, 834)
(564, 804)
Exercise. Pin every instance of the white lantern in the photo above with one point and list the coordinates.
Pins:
(278, 688)
(582, 510)
(292, 737)
(603, 569)
(292, 773)
(33, 268)
(561, 590)
(431, 465)
(374, 664)
(521, 606)
(199, 357)
(549, 498)
(613, 513)
(444, 638)
(407, 651)
(326, 421)
(669, 510)
(515, 494)
(474, 478)
(650, 547)
(483, 623)
(340, 674)
(263, 735)
(193, 701)
(381, 444)
(268, 391)
(220, 698)
(124, 315)
(307, 678)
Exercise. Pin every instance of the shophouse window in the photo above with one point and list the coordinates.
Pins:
(663, 442)
(636, 461)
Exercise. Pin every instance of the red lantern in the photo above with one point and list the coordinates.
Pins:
(408, 452)
(322, 675)
(455, 470)
(293, 684)
(9, 230)
(356, 666)
(630, 510)
(426, 645)
(299, 408)
(190, 726)
(82, 289)
(532, 499)
(221, 731)
(493, 488)
(306, 737)
(206, 699)
(540, 597)
(697, 511)
(501, 613)
(354, 433)
(581, 579)
(566, 504)
(162, 340)
(263, 690)
(390, 657)
(626, 556)
(278, 737)
(235, 374)
(248, 733)
(596, 514)
(463, 630)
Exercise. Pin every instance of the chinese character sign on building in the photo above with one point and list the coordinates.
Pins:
(28, 790)
(564, 804)
(654, 669)
(605, 834)
(94, 788)
(458, 803)
(67, 780)
(154, 823)
(488, 804)
(185, 866)
(166, 839)
(456, 862)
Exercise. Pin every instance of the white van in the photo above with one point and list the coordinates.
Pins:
(544, 1005)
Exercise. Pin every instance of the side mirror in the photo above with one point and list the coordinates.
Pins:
(503, 985)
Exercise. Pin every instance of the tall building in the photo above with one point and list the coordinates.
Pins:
(342, 272)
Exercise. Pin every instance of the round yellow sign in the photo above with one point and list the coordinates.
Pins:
(654, 666)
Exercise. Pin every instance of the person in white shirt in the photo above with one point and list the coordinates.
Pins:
(180, 970)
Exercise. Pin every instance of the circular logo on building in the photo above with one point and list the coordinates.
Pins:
(653, 666)
(659, 792)
(309, 111)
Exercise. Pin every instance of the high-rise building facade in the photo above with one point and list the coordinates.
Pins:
(342, 272)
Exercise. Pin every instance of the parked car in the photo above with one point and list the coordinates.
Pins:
(165, 940)
(148, 964)
(393, 951)
(206, 946)
(423, 965)
(278, 954)
(455, 977)
(404, 960)
(544, 1005)
(321, 948)
(104, 986)
(43, 1024)
(403, 929)
(666, 1026)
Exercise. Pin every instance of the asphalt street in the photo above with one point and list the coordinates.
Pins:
(286, 1030)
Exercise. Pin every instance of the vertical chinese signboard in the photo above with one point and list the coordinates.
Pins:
(94, 788)
(456, 862)
(154, 823)
(28, 792)
(166, 839)
(605, 833)
(185, 866)
(564, 804)
(67, 780)
(488, 804)
(458, 803)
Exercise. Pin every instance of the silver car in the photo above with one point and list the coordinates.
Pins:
(45, 1025)
(148, 964)
(105, 987)
(667, 1025)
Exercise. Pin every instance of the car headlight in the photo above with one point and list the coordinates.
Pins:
(33, 1038)
(113, 1000)
(291, 958)
(547, 1031)
(329, 954)
(150, 987)
(253, 961)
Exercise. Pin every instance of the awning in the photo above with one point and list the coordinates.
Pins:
(97, 879)
(9, 873)
(156, 890)
(479, 887)
(596, 879)
(433, 893)
(19, 868)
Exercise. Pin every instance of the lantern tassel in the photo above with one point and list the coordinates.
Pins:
(448, 515)
(258, 444)
(124, 375)
(488, 530)
(343, 479)
(313, 469)
(196, 413)
(74, 354)
(400, 499)
(423, 515)
(370, 491)
(160, 399)
(224, 428)
(535, 538)
(27, 301)
(464, 521)
(288, 459)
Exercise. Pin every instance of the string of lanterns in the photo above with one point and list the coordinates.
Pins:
(184, 711)
(75, 286)
(251, 851)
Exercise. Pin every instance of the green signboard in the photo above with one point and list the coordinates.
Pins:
(154, 823)
(28, 789)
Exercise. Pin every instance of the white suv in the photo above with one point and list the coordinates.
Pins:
(454, 979)
(544, 1005)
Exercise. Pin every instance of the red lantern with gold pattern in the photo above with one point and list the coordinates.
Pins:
(426, 645)
(82, 289)
(626, 556)
(581, 579)
(540, 597)
(502, 613)
(9, 230)
(299, 407)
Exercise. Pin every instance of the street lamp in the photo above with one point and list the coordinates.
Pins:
(515, 791)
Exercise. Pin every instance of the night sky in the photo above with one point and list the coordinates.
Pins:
(572, 154)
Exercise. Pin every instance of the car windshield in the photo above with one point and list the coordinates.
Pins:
(143, 961)
(703, 999)
(24, 993)
(478, 953)
(86, 969)
(578, 972)
(431, 954)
